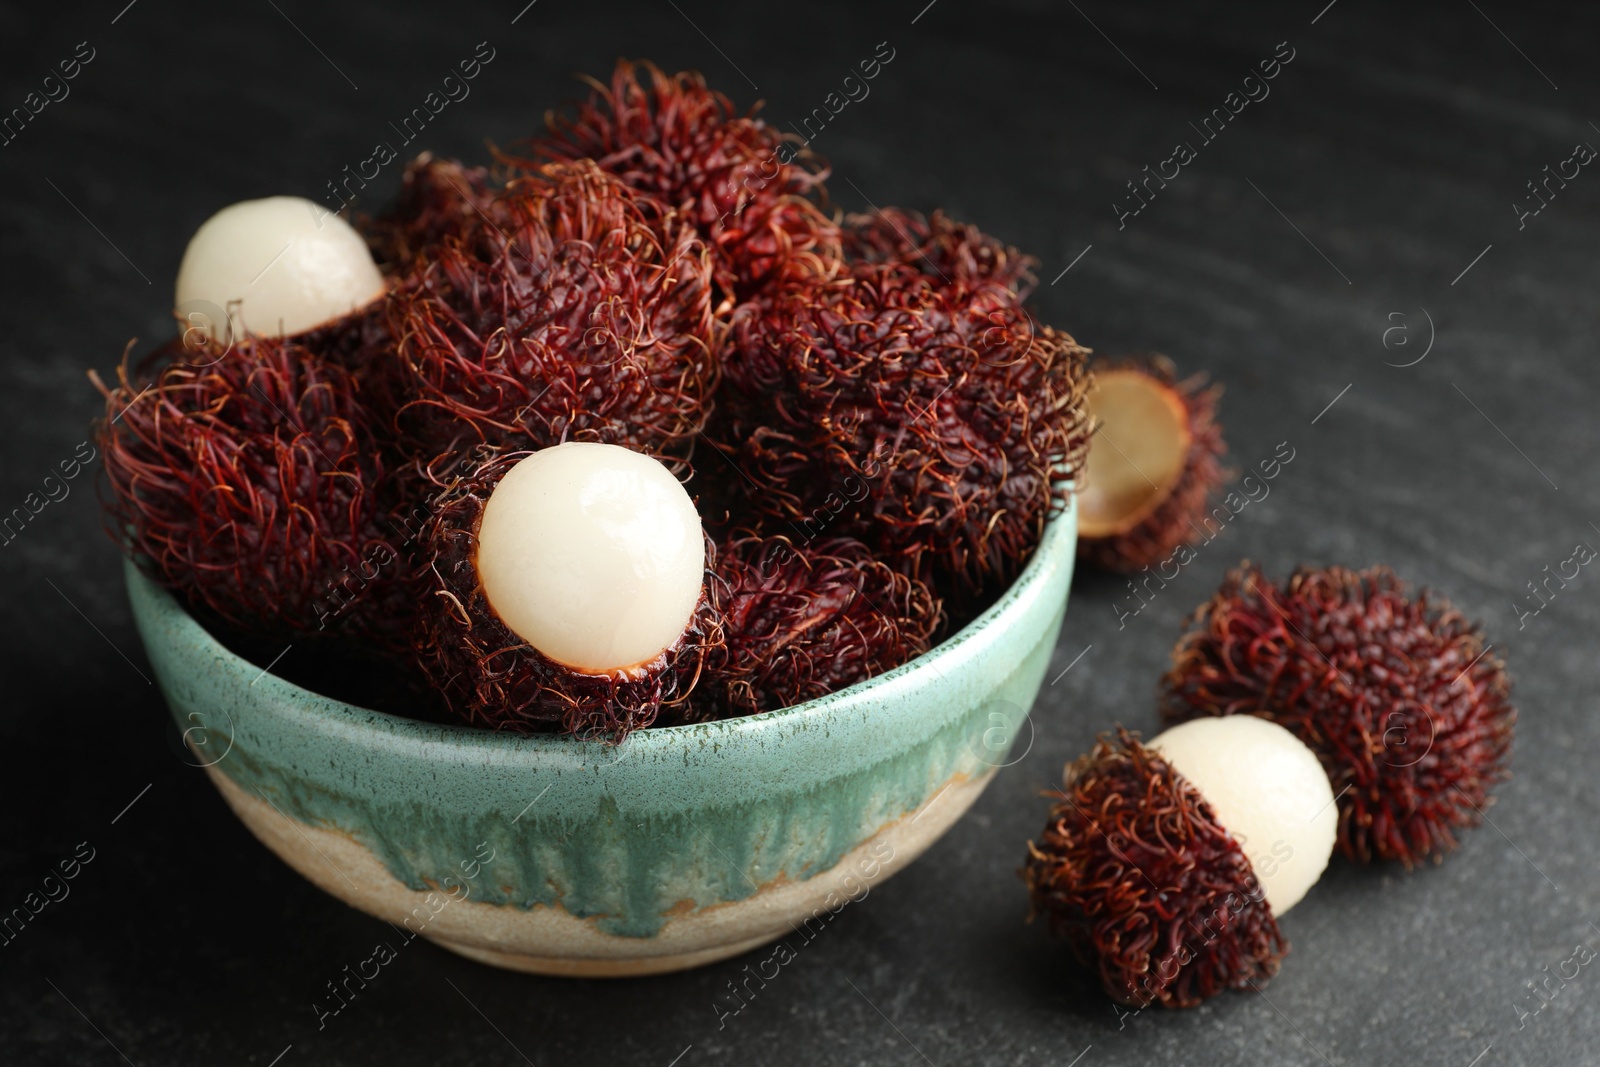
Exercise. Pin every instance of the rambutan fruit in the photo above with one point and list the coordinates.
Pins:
(746, 185)
(938, 245)
(1143, 867)
(802, 621)
(938, 424)
(582, 311)
(282, 267)
(1154, 462)
(439, 199)
(251, 485)
(569, 588)
(1396, 694)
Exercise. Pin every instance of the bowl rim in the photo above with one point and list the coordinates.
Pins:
(1059, 536)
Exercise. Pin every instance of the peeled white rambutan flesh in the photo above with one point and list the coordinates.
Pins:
(276, 267)
(1268, 790)
(593, 554)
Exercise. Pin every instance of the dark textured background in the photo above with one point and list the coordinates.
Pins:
(1396, 142)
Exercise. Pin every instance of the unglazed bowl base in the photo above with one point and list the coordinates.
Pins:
(637, 967)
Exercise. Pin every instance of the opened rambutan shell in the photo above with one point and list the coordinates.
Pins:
(743, 183)
(489, 675)
(1154, 463)
(1134, 869)
(1396, 695)
(360, 343)
(939, 424)
(940, 246)
(802, 621)
(249, 482)
(578, 311)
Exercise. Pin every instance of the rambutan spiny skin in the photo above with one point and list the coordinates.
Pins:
(489, 675)
(743, 183)
(1134, 869)
(1173, 523)
(439, 199)
(582, 311)
(1411, 719)
(360, 343)
(248, 480)
(937, 423)
(804, 621)
(938, 245)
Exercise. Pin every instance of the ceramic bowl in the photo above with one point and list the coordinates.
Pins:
(681, 846)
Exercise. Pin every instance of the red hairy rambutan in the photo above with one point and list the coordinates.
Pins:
(250, 483)
(1396, 695)
(743, 183)
(937, 423)
(439, 199)
(938, 245)
(805, 620)
(492, 677)
(582, 311)
(1135, 870)
(1154, 462)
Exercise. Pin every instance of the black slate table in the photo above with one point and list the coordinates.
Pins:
(1355, 254)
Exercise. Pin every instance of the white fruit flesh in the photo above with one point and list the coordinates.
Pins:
(287, 263)
(1268, 790)
(593, 554)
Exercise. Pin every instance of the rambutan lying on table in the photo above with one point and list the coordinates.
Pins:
(1154, 462)
(1143, 861)
(1136, 871)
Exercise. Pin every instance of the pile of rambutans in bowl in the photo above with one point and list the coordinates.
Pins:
(609, 559)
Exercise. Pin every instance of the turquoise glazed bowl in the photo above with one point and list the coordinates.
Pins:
(680, 846)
